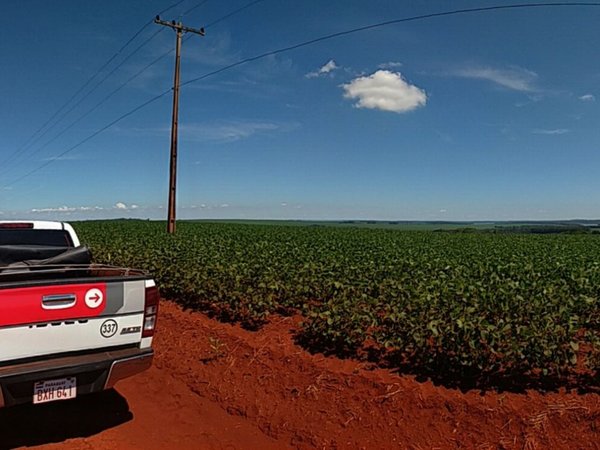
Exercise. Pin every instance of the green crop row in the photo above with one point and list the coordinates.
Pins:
(477, 306)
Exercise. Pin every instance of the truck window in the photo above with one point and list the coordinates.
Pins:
(50, 238)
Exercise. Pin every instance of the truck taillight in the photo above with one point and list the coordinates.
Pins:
(150, 311)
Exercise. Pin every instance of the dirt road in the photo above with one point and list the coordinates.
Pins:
(152, 411)
(215, 385)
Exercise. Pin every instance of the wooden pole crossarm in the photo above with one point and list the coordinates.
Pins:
(178, 26)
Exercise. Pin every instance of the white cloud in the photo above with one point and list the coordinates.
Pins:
(514, 78)
(531, 99)
(552, 131)
(134, 206)
(59, 209)
(587, 98)
(63, 158)
(390, 65)
(120, 205)
(328, 67)
(66, 209)
(219, 131)
(226, 132)
(385, 90)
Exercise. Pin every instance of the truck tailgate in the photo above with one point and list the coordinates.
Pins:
(67, 317)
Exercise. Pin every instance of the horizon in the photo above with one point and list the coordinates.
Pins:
(357, 221)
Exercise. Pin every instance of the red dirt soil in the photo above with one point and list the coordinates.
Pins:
(215, 385)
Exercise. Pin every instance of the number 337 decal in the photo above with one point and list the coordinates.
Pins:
(108, 328)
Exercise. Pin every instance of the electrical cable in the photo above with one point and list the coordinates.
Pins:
(233, 13)
(304, 44)
(382, 24)
(76, 104)
(89, 80)
(197, 5)
(109, 74)
(102, 101)
(79, 119)
(168, 8)
(91, 136)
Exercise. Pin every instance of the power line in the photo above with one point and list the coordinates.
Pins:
(74, 95)
(197, 5)
(89, 92)
(143, 44)
(233, 13)
(118, 66)
(180, 29)
(167, 8)
(91, 136)
(102, 101)
(131, 54)
(304, 44)
(379, 25)
(189, 10)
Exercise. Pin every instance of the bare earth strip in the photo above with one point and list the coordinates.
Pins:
(215, 385)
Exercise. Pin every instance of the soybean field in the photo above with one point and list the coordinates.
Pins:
(475, 309)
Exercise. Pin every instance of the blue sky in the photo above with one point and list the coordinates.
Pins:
(487, 116)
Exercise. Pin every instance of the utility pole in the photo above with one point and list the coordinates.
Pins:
(180, 29)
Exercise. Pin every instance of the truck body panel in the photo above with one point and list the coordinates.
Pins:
(67, 327)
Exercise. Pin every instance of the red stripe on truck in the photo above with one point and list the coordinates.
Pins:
(22, 306)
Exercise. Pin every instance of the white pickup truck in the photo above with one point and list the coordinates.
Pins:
(67, 327)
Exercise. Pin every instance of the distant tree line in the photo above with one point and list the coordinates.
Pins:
(528, 229)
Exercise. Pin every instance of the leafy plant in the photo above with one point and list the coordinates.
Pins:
(461, 304)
